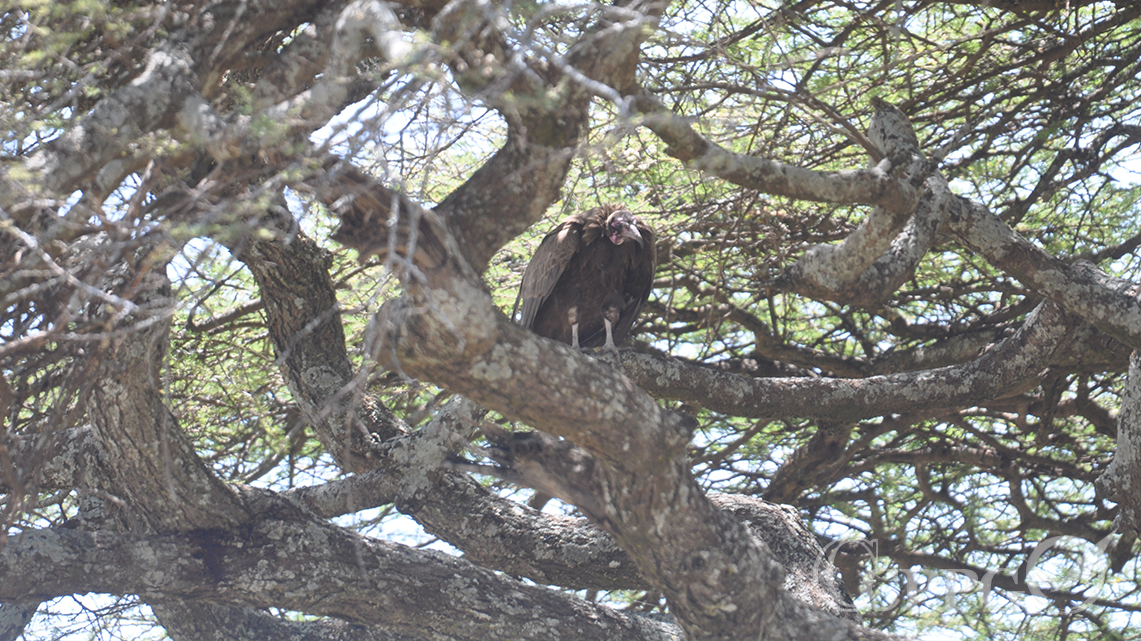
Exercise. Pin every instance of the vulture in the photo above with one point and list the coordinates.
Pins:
(588, 279)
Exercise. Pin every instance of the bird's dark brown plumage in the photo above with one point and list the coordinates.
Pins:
(589, 267)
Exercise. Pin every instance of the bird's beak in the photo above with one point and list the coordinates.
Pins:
(630, 230)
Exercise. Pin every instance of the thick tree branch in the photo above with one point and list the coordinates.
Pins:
(1004, 369)
(203, 621)
(304, 322)
(1121, 482)
(829, 271)
(529, 170)
(284, 560)
(154, 464)
(1079, 290)
(881, 279)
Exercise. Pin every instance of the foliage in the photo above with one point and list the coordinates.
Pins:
(1028, 111)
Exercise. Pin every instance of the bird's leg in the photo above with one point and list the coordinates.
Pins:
(572, 318)
(610, 316)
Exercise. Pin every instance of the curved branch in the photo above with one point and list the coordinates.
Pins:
(877, 283)
(829, 270)
(529, 170)
(874, 186)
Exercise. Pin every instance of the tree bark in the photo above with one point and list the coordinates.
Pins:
(1121, 482)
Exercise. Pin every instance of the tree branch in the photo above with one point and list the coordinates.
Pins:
(829, 270)
(529, 170)
(1078, 289)
(284, 560)
(1005, 368)
(152, 462)
(874, 186)
(1121, 482)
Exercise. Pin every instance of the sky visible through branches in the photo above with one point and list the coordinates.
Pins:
(896, 247)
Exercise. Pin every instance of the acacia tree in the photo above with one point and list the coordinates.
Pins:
(254, 258)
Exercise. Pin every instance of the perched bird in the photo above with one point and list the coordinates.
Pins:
(588, 279)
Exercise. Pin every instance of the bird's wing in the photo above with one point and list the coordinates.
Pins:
(640, 281)
(546, 266)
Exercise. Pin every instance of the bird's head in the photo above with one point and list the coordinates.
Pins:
(622, 226)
